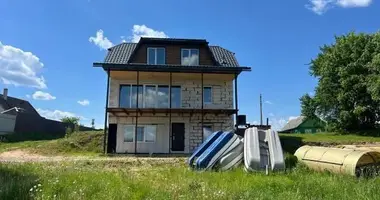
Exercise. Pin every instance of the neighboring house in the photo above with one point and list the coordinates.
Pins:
(19, 118)
(9, 104)
(303, 124)
(185, 91)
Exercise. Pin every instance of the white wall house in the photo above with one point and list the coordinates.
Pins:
(168, 95)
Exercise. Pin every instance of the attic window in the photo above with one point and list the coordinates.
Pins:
(156, 56)
(189, 57)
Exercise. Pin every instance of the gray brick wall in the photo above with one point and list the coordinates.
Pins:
(222, 98)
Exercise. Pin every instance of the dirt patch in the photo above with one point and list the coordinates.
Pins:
(26, 156)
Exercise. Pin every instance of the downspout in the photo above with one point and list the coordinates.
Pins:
(202, 105)
(137, 107)
(170, 111)
(106, 113)
(236, 102)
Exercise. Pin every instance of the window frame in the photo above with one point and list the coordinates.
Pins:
(189, 49)
(143, 94)
(211, 97)
(155, 55)
(134, 133)
(129, 97)
(180, 95)
(169, 95)
(144, 89)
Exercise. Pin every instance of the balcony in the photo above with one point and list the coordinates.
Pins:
(120, 112)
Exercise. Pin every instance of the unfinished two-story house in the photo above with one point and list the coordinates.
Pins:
(167, 95)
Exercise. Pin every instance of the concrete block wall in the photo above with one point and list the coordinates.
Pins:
(191, 93)
(220, 122)
(222, 98)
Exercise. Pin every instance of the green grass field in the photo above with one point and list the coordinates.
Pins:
(90, 143)
(333, 138)
(81, 143)
(169, 178)
(172, 180)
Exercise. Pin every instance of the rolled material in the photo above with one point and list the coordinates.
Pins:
(336, 160)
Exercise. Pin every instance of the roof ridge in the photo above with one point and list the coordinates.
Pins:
(222, 48)
(121, 44)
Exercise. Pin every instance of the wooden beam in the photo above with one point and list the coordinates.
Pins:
(105, 115)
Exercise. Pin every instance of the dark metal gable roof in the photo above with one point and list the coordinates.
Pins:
(121, 54)
(223, 56)
(12, 102)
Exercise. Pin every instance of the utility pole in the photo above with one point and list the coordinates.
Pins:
(261, 110)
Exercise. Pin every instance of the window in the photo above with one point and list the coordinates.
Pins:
(149, 96)
(125, 96)
(207, 95)
(145, 133)
(150, 133)
(156, 56)
(134, 96)
(140, 134)
(128, 133)
(163, 96)
(207, 131)
(176, 96)
(189, 57)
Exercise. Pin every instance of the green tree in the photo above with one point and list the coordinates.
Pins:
(308, 107)
(72, 124)
(348, 90)
(70, 120)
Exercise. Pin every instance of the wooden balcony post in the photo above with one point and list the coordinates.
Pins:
(105, 115)
(137, 107)
(236, 101)
(202, 105)
(170, 112)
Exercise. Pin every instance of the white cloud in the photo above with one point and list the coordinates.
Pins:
(84, 102)
(277, 123)
(292, 117)
(139, 31)
(39, 95)
(28, 96)
(255, 122)
(101, 41)
(271, 114)
(268, 102)
(321, 6)
(123, 38)
(57, 114)
(354, 3)
(20, 68)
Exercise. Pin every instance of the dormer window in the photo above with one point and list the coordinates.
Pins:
(156, 56)
(189, 56)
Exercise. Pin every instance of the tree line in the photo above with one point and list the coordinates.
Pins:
(347, 95)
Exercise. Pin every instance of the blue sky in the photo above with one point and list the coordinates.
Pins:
(46, 50)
